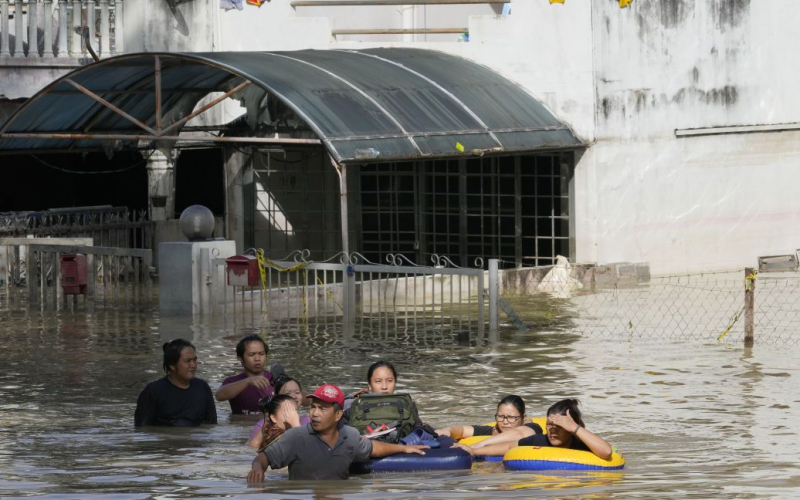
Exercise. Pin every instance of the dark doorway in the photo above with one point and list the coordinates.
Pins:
(39, 182)
(200, 180)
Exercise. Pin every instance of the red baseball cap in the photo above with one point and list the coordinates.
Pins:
(328, 393)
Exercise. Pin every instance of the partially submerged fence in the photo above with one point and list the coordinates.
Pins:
(34, 274)
(357, 290)
(106, 226)
(732, 307)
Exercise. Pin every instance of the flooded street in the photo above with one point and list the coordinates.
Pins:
(692, 419)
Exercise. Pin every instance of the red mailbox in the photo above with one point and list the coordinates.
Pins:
(242, 270)
(73, 274)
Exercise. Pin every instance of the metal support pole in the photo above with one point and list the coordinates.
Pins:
(348, 279)
(494, 295)
(749, 301)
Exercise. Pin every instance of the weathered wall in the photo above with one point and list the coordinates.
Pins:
(689, 204)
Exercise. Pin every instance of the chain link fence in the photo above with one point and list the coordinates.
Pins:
(624, 302)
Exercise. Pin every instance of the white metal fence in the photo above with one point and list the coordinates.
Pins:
(357, 290)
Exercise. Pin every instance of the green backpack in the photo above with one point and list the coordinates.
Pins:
(372, 413)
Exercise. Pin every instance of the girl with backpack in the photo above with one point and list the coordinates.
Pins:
(377, 411)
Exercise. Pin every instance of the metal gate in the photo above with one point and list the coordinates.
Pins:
(351, 289)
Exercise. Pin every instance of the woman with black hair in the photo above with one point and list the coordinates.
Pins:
(510, 414)
(565, 429)
(280, 415)
(179, 399)
(285, 386)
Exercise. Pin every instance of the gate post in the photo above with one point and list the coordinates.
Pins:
(494, 295)
(749, 302)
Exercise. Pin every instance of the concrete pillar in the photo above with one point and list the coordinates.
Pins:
(161, 186)
(238, 185)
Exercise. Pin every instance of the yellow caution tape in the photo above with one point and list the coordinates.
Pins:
(263, 262)
(329, 293)
(460, 147)
(733, 322)
(750, 280)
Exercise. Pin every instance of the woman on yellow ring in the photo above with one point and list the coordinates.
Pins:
(510, 415)
(565, 429)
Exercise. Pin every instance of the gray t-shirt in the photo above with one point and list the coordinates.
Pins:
(308, 457)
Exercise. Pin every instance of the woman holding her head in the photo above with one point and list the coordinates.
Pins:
(284, 386)
(280, 415)
(565, 429)
(510, 415)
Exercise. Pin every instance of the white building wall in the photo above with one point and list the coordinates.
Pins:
(690, 204)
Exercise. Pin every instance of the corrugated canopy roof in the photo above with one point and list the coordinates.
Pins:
(390, 103)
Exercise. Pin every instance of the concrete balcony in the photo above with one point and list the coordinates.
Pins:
(39, 41)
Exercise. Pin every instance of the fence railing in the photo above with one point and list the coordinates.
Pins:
(47, 28)
(107, 226)
(730, 307)
(112, 277)
(355, 289)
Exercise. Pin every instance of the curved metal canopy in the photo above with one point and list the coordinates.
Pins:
(384, 104)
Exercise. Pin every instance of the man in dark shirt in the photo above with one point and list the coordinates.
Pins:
(179, 399)
(323, 449)
(245, 389)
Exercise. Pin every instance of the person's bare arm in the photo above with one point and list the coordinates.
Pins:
(230, 391)
(257, 468)
(380, 449)
(496, 450)
(509, 436)
(598, 445)
(457, 431)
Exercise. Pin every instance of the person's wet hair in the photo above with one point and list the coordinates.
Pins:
(283, 380)
(272, 404)
(562, 406)
(172, 352)
(514, 401)
(242, 345)
(374, 366)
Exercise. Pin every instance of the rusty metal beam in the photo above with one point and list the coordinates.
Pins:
(158, 93)
(155, 137)
(206, 107)
(109, 105)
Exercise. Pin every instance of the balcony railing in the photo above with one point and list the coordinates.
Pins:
(47, 28)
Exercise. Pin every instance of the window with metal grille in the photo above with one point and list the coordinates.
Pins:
(296, 198)
(514, 208)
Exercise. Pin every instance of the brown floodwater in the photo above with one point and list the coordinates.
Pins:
(693, 419)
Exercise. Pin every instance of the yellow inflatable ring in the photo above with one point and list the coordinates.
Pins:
(553, 458)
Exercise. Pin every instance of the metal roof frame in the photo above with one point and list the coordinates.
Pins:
(366, 105)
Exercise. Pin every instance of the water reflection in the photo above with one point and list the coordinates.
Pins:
(691, 418)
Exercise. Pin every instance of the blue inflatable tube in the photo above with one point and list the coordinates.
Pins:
(434, 459)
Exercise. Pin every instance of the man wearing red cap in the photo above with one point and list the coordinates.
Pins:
(323, 449)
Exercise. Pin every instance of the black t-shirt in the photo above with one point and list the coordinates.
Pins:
(486, 430)
(163, 403)
(542, 440)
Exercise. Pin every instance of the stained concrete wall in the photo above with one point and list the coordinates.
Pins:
(688, 204)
